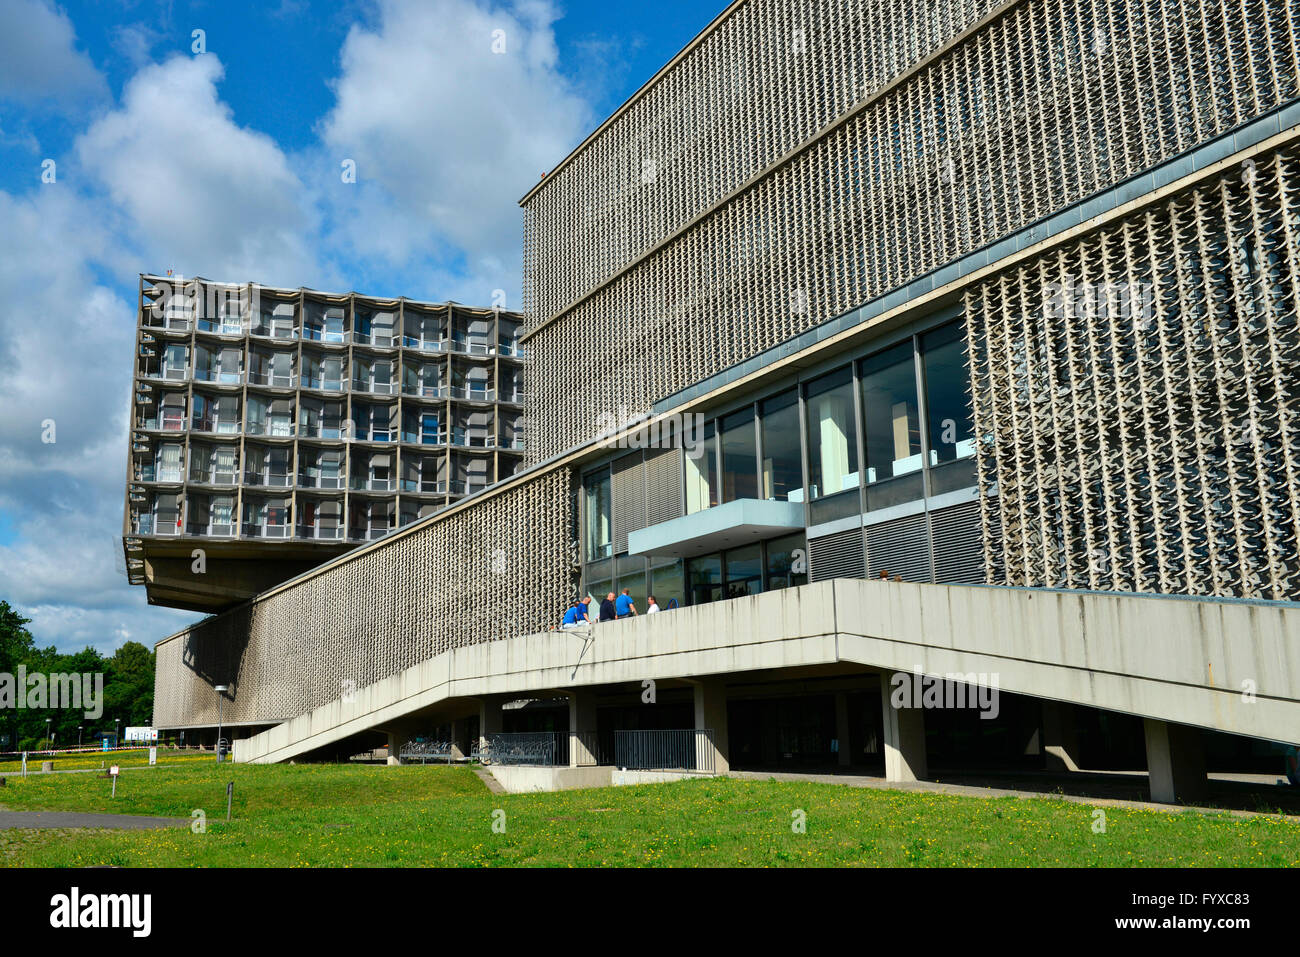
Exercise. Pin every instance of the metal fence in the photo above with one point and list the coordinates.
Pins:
(679, 750)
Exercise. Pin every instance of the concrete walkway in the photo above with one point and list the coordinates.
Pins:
(29, 820)
(1042, 787)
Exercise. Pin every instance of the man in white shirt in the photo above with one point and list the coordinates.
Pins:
(652, 606)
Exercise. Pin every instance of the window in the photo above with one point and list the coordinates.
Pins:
(950, 433)
(782, 463)
(334, 325)
(666, 584)
(223, 466)
(739, 457)
(597, 516)
(893, 426)
(701, 473)
(744, 571)
(169, 463)
(704, 579)
(832, 435)
(787, 561)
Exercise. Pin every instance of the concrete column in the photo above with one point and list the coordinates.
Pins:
(904, 736)
(396, 738)
(490, 719)
(1060, 736)
(842, 729)
(711, 714)
(582, 718)
(459, 729)
(1175, 762)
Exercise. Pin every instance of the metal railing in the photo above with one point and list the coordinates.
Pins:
(667, 750)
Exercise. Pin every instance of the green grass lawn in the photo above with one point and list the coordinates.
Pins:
(338, 816)
(99, 759)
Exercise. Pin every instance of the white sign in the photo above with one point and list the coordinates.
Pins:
(113, 770)
(153, 756)
(143, 735)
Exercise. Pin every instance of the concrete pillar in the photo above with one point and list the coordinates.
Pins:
(1175, 762)
(842, 729)
(711, 714)
(904, 736)
(459, 731)
(1060, 736)
(582, 729)
(396, 738)
(490, 719)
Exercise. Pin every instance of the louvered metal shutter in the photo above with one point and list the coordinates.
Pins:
(836, 556)
(664, 486)
(958, 544)
(900, 547)
(627, 491)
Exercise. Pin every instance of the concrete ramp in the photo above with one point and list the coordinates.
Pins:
(1229, 666)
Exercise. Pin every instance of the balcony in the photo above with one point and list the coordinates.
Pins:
(425, 345)
(374, 388)
(514, 398)
(473, 440)
(169, 373)
(473, 393)
(472, 347)
(256, 530)
(424, 487)
(216, 426)
(321, 334)
(320, 533)
(325, 384)
(168, 423)
(278, 430)
(229, 326)
(212, 477)
(425, 391)
(219, 377)
(330, 482)
(364, 484)
(367, 534)
(271, 380)
(424, 438)
(512, 351)
(378, 341)
(375, 435)
(149, 525)
(268, 479)
(212, 529)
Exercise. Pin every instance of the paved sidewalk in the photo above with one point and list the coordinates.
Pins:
(50, 819)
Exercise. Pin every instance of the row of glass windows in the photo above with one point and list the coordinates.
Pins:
(902, 413)
(762, 566)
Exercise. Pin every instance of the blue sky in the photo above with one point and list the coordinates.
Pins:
(226, 163)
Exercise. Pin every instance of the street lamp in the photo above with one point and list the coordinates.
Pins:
(47, 733)
(78, 735)
(221, 691)
(116, 722)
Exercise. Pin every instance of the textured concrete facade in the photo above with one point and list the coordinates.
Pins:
(500, 566)
(1137, 393)
(1044, 103)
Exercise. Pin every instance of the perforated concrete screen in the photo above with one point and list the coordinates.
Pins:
(500, 568)
(1136, 393)
(1049, 102)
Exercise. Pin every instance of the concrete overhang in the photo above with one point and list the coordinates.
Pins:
(737, 523)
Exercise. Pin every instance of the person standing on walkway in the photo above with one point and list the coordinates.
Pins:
(607, 609)
(625, 607)
(651, 606)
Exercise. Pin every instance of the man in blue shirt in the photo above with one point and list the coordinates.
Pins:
(624, 605)
(576, 616)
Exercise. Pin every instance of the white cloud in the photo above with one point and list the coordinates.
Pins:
(39, 61)
(448, 134)
(204, 195)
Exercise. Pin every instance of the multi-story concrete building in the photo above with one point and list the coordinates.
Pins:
(273, 429)
(996, 301)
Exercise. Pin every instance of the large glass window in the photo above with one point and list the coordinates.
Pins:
(666, 585)
(701, 473)
(739, 457)
(597, 516)
(893, 426)
(832, 435)
(704, 579)
(950, 432)
(744, 571)
(787, 561)
(782, 465)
